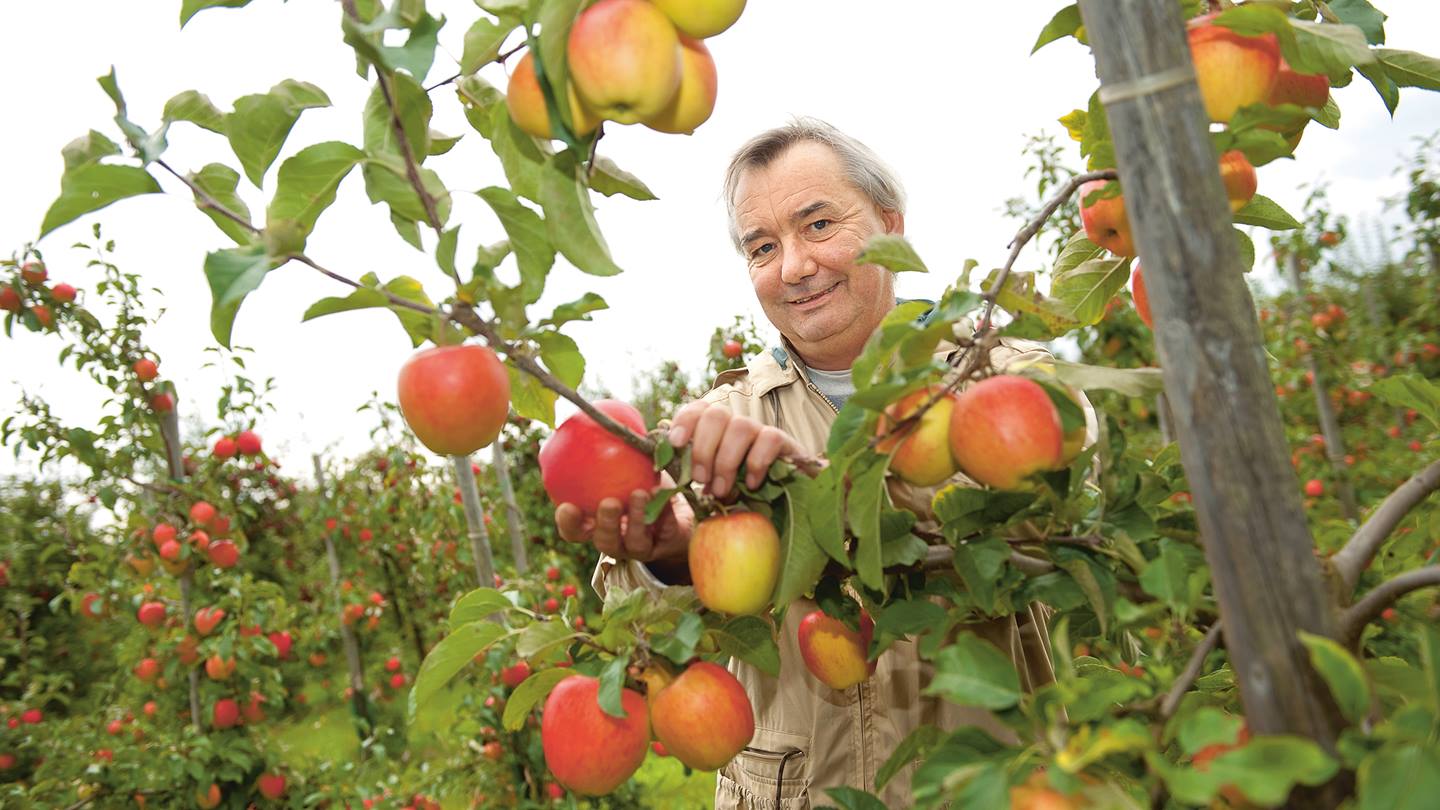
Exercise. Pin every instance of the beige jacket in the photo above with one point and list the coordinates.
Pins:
(809, 737)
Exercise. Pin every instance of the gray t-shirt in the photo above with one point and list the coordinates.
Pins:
(835, 385)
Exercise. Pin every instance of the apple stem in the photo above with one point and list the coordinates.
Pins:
(1365, 543)
(1382, 596)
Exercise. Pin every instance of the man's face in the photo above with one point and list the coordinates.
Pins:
(801, 225)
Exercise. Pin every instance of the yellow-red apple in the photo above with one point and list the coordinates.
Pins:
(1003, 430)
(836, 655)
(1142, 298)
(735, 562)
(1105, 221)
(455, 398)
(695, 100)
(583, 463)
(624, 59)
(921, 454)
(702, 18)
(1302, 89)
(703, 718)
(1233, 70)
(587, 750)
(1238, 176)
(526, 103)
(208, 798)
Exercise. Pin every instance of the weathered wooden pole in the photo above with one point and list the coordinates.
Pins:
(513, 520)
(1226, 418)
(175, 462)
(474, 522)
(358, 702)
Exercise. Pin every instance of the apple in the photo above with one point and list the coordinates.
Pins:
(162, 403)
(151, 614)
(147, 670)
(283, 642)
(1238, 176)
(200, 540)
(1106, 223)
(732, 349)
(145, 369)
(397, 681)
(526, 102)
(1037, 794)
(223, 554)
(703, 718)
(63, 293)
(454, 398)
(254, 710)
(735, 562)
(150, 708)
(92, 605)
(34, 272)
(226, 713)
(569, 591)
(32, 717)
(514, 675)
(493, 751)
(225, 447)
(271, 785)
(206, 619)
(248, 443)
(201, 513)
(695, 100)
(208, 798)
(9, 299)
(1310, 90)
(1004, 429)
(162, 534)
(587, 750)
(170, 550)
(624, 58)
(1233, 70)
(1314, 488)
(836, 655)
(393, 665)
(188, 650)
(701, 18)
(42, 314)
(552, 573)
(219, 669)
(921, 455)
(1329, 239)
(582, 463)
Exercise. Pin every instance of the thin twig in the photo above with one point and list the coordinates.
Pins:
(1031, 566)
(1365, 543)
(1382, 596)
(403, 303)
(206, 201)
(1191, 672)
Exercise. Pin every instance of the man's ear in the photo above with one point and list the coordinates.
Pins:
(894, 222)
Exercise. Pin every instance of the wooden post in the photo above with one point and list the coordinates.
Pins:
(175, 461)
(514, 522)
(358, 703)
(474, 522)
(1246, 494)
(1329, 424)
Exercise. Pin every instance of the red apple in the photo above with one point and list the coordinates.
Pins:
(226, 713)
(146, 369)
(703, 718)
(271, 785)
(43, 315)
(147, 670)
(63, 293)
(587, 750)
(92, 605)
(9, 299)
(1302, 89)
(283, 642)
(552, 573)
(1314, 488)
(1238, 176)
(921, 454)
(624, 58)
(836, 655)
(206, 619)
(526, 102)
(162, 534)
(1105, 221)
(248, 443)
(695, 100)
(254, 710)
(151, 614)
(225, 447)
(1233, 70)
(455, 398)
(732, 349)
(223, 554)
(34, 272)
(735, 562)
(162, 403)
(393, 665)
(582, 463)
(397, 681)
(201, 513)
(1004, 429)
(514, 675)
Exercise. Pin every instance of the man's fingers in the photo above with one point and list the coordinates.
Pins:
(734, 446)
(708, 433)
(638, 543)
(606, 536)
(763, 451)
(682, 425)
(571, 523)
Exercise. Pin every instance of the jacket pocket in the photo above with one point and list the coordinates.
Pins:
(761, 779)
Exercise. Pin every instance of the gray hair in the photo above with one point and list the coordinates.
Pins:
(863, 168)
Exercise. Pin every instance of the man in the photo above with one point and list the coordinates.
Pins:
(803, 201)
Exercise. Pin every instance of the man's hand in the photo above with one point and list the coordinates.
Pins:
(720, 442)
(620, 531)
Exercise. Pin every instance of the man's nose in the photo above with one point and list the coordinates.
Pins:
(797, 265)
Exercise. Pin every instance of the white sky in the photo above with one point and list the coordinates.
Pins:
(943, 94)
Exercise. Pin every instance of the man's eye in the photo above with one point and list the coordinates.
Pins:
(763, 250)
(820, 224)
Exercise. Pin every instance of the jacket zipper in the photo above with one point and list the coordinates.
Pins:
(826, 399)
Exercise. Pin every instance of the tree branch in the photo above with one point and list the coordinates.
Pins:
(206, 201)
(1365, 543)
(1191, 672)
(1382, 596)
(391, 297)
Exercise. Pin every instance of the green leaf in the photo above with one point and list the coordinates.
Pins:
(261, 122)
(964, 511)
(555, 18)
(863, 504)
(981, 566)
(1267, 768)
(413, 110)
(1265, 213)
(483, 42)
(910, 617)
(88, 148)
(478, 605)
(540, 636)
(441, 143)
(1362, 15)
(609, 179)
(577, 310)
(233, 274)
(1342, 673)
(972, 672)
(530, 692)
(1388, 90)
(915, 747)
(1208, 726)
(570, 219)
(679, 646)
(387, 181)
(560, 354)
(849, 798)
(1326, 48)
(1405, 777)
(612, 685)
(447, 658)
(1088, 288)
(415, 56)
(92, 186)
(752, 640)
(1410, 69)
(530, 399)
(528, 239)
(445, 248)
(893, 252)
(417, 325)
(1410, 391)
(198, 109)
(1064, 24)
(308, 181)
(801, 560)
(1132, 382)
(189, 8)
(220, 181)
(1166, 577)
(1094, 580)
(1020, 295)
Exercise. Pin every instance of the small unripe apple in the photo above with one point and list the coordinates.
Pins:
(1233, 70)
(1238, 176)
(63, 293)
(836, 655)
(587, 750)
(735, 562)
(703, 717)
(526, 102)
(454, 398)
(1106, 223)
(582, 463)
(921, 455)
(207, 619)
(695, 100)
(624, 58)
(1004, 429)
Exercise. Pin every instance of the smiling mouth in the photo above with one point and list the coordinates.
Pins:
(807, 299)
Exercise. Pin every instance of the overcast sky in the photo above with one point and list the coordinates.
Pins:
(942, 92)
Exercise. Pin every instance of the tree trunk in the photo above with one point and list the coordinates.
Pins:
(358, 702)
(513, 521)
(175, 462)
(1245, 492)
(475, 522)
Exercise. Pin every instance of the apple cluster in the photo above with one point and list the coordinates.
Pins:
(631, 61)
(31, 295)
